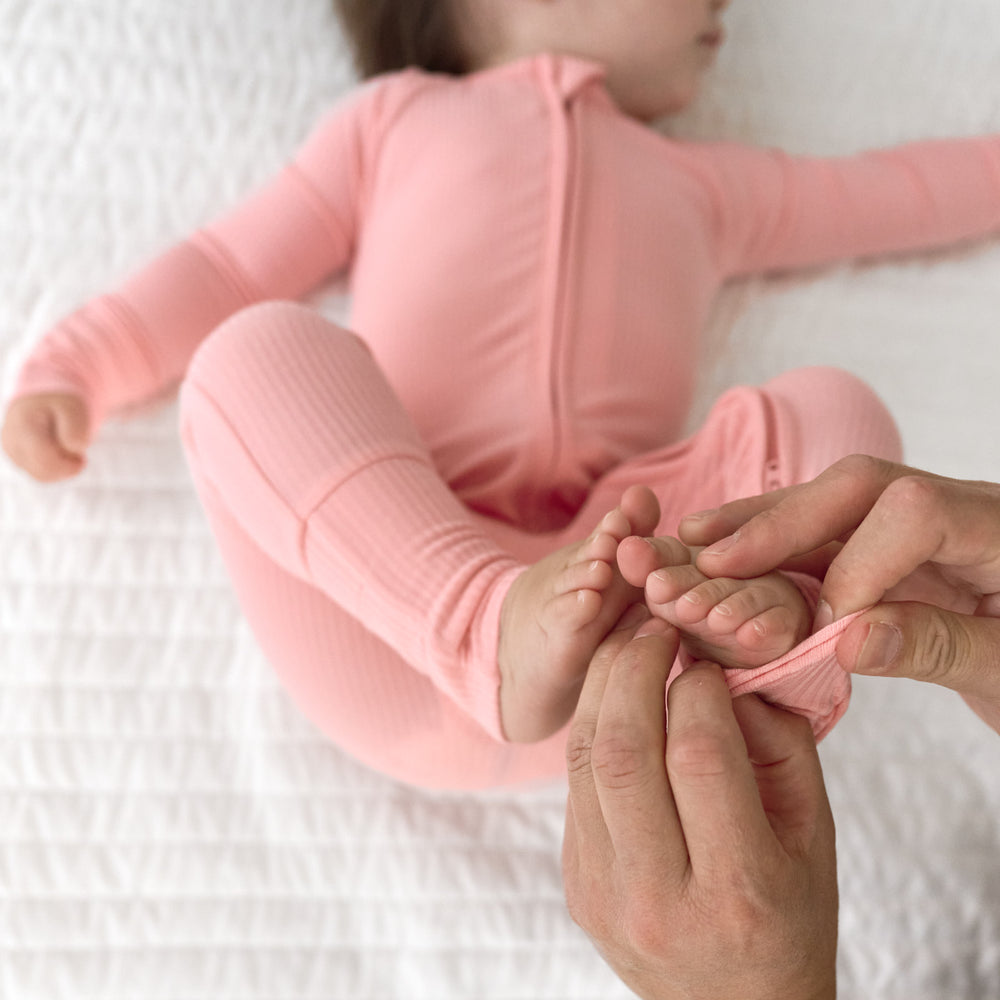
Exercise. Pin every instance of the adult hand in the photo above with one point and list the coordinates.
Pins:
(47, 435)
(886, 532)
(701, 861)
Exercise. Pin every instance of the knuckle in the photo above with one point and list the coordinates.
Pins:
(746, 899)
(579, 745)
(647, 930)
(618, 760)
(864, 468)
(764, 525)
(942, 647)
(859, 477)
(914, 497)
(696, 755)
(776, 529)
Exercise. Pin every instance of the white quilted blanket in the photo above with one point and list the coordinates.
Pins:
(170, 828)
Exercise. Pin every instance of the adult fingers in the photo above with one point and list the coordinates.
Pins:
(790, 782)
(752, 537)
(926, 643)
(586, 829)
(710, 526)
(713, 783)
(628, 761)
(918, 519)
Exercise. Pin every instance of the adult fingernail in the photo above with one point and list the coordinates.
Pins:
(722, 545)
(699, 515)
(881, 647)
(655, 626)
(824, 616)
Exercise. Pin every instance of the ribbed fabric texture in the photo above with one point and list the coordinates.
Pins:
(551, 258)
(530, 271)
(377, 594)
(356, 689)
(807, 680)
(293, 425)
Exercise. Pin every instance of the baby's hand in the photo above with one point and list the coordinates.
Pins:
(47, 435)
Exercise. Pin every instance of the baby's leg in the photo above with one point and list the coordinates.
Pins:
(737, 623)
(556, 614)
(291, 426)
(359, 693)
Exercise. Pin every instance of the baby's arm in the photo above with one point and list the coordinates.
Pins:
(776, 212)
(131, 344)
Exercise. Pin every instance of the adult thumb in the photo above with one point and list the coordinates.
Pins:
(926, 643)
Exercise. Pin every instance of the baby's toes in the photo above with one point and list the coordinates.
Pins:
(709, 602)
(776, 629)
(738, 603)
(592, 574)
(641, 508)
(572, 611)
(677, 586)
(601, 544)
(638, 557)
(616, 523)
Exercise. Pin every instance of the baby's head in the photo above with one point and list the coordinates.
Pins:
(655, 51)
(387, 35)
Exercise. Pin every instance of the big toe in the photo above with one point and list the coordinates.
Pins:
(638, 557)
(640, 506)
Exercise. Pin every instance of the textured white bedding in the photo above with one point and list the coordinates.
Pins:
(170, 828)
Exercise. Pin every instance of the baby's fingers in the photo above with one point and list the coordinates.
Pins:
(47, 436)
(72, 425)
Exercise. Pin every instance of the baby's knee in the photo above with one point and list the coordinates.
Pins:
(256, 337)
(264, 360)
(829, 413)
(869, 425)
(824, 392)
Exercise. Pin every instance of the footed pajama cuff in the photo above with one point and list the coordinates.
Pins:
(807, 680)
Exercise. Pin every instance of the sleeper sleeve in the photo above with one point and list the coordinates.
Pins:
(777, 212)
(133, 343)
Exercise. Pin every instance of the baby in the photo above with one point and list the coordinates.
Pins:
(401, 508)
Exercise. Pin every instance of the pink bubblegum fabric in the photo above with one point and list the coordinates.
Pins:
(530, 272)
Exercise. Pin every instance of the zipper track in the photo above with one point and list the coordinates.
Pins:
(555, 328)
(772, 478)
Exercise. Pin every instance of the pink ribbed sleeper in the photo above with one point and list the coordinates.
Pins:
(530, 272)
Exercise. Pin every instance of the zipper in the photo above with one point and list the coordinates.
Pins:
(555, 325)
(772, 477)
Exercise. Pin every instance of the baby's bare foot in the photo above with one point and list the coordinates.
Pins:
(556, 614)
(737, 623)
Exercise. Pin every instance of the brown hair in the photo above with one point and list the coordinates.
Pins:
(388, 35)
